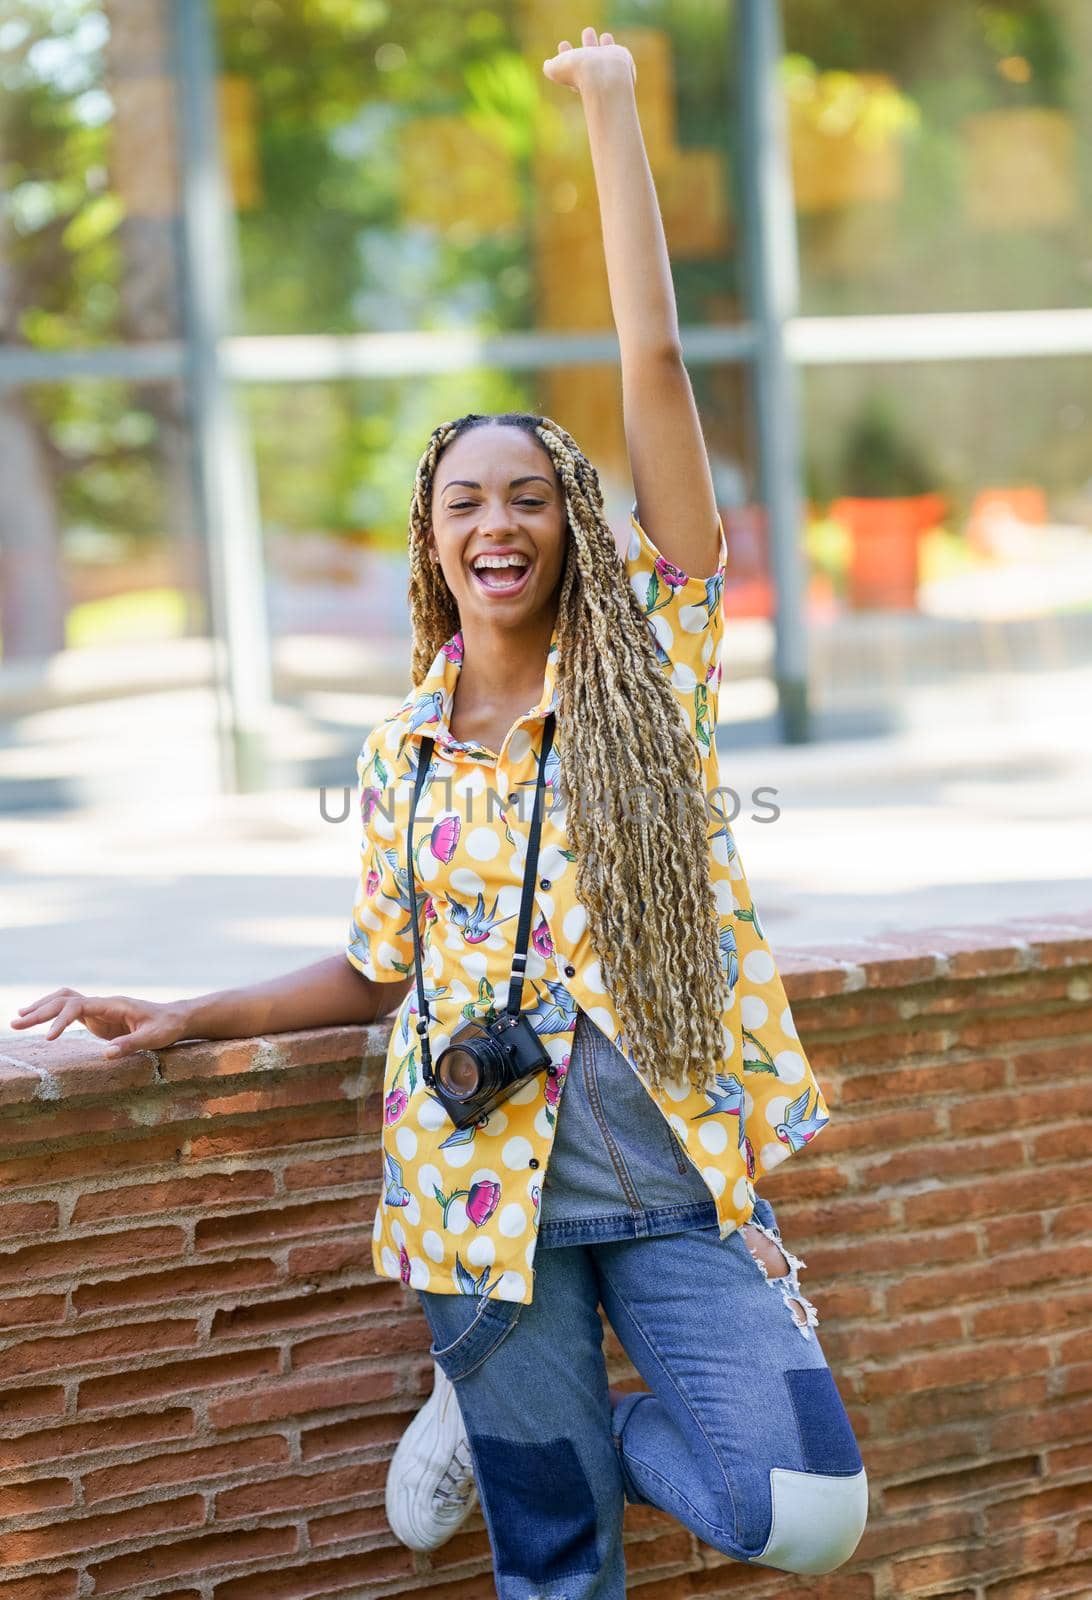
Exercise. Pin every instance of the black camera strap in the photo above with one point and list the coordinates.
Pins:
(523, 926)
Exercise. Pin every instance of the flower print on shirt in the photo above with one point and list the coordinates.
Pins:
(487, 1180)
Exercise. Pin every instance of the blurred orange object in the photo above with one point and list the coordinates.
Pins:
(883, 569)
(993, 510)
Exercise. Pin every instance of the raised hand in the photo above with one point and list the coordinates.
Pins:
(134, 1024)
(595, 63)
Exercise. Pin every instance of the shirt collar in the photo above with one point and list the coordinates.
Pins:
(428, 709)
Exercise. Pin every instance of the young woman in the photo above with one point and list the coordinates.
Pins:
(570, 877)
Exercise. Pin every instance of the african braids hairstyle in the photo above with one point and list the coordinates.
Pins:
(630, 774)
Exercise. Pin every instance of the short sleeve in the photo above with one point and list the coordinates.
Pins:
(380, 943)
(686, 619)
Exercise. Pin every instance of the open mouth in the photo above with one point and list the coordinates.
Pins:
(501, 574)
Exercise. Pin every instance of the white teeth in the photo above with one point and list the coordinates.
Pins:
(499, 561)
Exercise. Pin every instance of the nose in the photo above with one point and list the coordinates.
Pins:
(495, 518)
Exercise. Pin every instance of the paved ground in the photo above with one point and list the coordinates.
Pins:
(121, 869)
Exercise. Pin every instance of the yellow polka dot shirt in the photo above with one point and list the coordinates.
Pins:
(459, 1209)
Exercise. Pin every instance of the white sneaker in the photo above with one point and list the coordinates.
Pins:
(430, 1483)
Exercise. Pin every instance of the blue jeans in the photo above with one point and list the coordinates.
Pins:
(741, 1435)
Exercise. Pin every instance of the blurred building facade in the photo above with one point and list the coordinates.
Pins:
(252, 251)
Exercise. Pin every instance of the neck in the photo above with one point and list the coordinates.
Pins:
(501, 665)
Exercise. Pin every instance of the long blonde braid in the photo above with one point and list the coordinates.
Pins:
(635, 803)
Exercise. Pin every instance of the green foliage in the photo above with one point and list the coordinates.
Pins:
(879, 460)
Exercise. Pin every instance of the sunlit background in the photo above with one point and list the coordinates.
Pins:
(252, 251)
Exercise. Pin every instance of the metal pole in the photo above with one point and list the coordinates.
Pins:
(773, 284)
(225, 462)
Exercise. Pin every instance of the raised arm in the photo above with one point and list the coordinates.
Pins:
(676, 502)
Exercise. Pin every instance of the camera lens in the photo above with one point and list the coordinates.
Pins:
(458, 1072)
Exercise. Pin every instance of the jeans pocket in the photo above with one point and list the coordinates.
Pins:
(466, 1328)
(682, 1160)
(764, 1212)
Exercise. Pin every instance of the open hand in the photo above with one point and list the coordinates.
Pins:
(134, 1024)
(597, 61)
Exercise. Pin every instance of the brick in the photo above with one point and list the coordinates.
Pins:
(989, 1280)
(53, 1167)
(37, 1494)
(198, 1556)
(993, 1111)
(18, 1405)
(28, 1311)
(1073, 1581)
(225, 1058)
(1072, 1222)
(375, 1339)
(1066, 1500)
(1060, 1144)
(363, 1523)
(889, 1132)
(149, 1521)
(1038, 1315)
(269, 1317)
(1039, 1024)
(896, 1454)
(172, 1195)
(1001, 1196)
(30, 1216)
(1068, 1458)
(39, 1125)
(43, 1586)
(940, 1161)
(71, 1257)
(77, 1067)
(208, 1372)
(87, 1438)
(288, 1399)
(315, 1260)
(952, 1369)
(937, 1082)
(1050, 1426)
(292, 1128)
(820, 1221)
(876, 1339)
(320, 1216)
(892, 1535)
(384, 1429)
(224, 1279)
(978, 1478)
(329, 1172)
(890, 1254)
(300, 1491)
(300, 1089)
(71, 1350)
(1034, 1547)
(345, 1575)
(1011, 1399)
(185, 1466)
(1051, 1064)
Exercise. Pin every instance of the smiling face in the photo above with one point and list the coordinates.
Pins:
(499, 528)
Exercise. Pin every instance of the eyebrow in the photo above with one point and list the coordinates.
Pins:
(468, 483)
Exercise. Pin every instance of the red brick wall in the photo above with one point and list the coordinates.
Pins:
(201, 1381)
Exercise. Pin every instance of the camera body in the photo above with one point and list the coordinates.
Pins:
(485, 1063)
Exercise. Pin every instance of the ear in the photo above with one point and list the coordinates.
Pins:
(430, 546)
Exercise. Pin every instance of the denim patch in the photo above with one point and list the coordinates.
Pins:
(826, 1433)
(541, 1510)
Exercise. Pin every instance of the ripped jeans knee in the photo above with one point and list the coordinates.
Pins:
(780, 1268)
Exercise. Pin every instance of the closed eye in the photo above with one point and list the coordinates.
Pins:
(456, 505)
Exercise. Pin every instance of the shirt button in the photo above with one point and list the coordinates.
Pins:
(544, 883)
(551, 1071)
(533, 1161)
(513, 799)
(570, 972)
